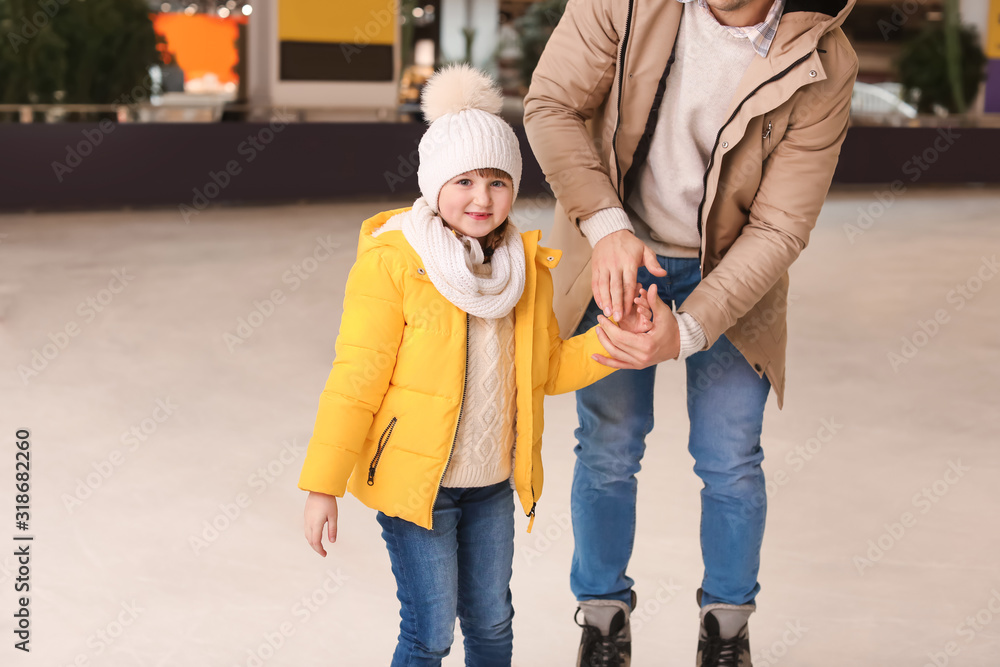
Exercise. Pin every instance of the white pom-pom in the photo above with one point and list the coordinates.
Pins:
(456, 88)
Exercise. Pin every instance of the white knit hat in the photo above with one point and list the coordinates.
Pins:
(461, 104)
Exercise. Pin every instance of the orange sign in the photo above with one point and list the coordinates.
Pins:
(201, 43)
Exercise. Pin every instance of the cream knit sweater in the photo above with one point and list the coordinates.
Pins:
(484, 448)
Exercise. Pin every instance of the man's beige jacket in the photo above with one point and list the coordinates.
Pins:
(590, 114)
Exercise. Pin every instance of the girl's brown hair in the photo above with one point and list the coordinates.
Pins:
(494, 239)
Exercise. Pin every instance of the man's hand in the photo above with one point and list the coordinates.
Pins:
(614, 265)
(640, 350)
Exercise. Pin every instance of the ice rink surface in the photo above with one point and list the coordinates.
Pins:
(167, 440)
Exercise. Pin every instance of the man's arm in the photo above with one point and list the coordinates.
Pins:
(793, 187)
(573, 78)
(796, 178)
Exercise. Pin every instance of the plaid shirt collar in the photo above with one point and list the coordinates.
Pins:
(760, 35)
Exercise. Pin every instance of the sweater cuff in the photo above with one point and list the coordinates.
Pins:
(604, 222)
(692, 336)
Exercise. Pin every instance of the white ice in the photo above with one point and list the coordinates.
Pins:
(116, 575)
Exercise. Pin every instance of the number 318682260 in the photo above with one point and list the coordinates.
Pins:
(22, 475)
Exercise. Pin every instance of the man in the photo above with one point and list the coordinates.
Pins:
(714, 130)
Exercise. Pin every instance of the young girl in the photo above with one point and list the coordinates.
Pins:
(432, 413)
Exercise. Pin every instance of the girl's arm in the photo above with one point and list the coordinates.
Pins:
(370, 333)
(571, 365)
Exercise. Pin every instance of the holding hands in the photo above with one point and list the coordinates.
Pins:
(640, 349)
(634, 342)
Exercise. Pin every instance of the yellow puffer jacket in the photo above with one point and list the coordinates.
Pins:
(389, 414)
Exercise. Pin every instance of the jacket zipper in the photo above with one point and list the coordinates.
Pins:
(767, 133)
(386, 434)
(461, 408)
(621, 85)
(711, 160)
(531, 514)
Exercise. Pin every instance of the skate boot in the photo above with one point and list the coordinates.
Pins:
(607, 637)
(724, 636)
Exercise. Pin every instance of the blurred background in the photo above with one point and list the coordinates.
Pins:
(181, 189)
(168, 87)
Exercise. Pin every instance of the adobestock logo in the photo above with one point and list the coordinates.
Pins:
(924, 500)
(88, 310)
(217, 181)
(928, 329)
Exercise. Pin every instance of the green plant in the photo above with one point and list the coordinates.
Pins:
(535, 28)
(469, 35)
(32, 65)
(75, 51)
(943, 76)
(406, 31)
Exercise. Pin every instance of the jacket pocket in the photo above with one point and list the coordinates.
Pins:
(382, 442)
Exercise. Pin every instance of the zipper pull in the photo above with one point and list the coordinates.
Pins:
(371, 476)
(767, 133)
(531, 517)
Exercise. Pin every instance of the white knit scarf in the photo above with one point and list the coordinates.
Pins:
(449, 259)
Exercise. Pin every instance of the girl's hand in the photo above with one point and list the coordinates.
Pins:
(639, 319)
(629, 350)
(320, 509)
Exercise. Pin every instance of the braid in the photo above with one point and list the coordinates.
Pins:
(494, 240)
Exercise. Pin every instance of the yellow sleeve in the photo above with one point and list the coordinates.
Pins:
(370, 333)
(570, 365)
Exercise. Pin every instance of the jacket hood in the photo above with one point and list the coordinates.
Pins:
(828, 7)
(807, 21)
(835, 10)
(368, 242)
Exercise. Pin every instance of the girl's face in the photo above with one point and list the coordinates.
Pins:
(476, 204)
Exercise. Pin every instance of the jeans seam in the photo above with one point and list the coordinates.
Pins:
(402, 578)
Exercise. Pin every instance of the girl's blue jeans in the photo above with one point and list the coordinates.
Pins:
(460, 568)
(725, 403)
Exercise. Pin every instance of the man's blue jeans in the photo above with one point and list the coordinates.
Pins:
(462, 567)
(725, 400)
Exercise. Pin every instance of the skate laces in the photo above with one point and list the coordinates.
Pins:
(721, 652)
(599, 650)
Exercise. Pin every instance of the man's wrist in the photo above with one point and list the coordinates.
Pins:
(692, 336)
(604, 222)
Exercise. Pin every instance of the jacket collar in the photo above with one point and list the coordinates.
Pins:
(829, 7)
(802, 24)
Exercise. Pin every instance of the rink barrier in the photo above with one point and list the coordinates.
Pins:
(70, 166)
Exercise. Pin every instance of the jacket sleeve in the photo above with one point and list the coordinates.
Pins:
(795, 180)
(370, 333)
(570, 365)
(573, 78)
